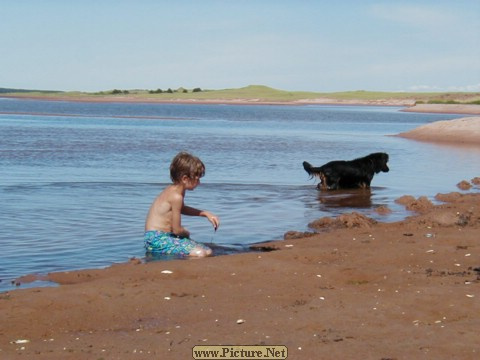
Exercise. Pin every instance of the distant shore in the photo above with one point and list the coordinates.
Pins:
(409, 104)
(445, 109)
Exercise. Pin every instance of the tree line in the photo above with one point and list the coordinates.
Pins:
(170, 91)
(158, 91)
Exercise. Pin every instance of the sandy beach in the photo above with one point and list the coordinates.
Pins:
(353, 288)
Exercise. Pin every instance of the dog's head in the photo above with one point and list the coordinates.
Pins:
(380, 162)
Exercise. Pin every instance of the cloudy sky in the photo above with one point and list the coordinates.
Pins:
(311, 45)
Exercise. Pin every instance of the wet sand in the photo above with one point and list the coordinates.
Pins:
(355, 289)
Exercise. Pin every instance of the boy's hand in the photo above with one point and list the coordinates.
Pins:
(212, 218)
(215, 221)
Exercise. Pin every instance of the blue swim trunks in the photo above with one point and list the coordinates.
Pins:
(160, 242)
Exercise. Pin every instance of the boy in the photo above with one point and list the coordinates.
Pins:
(164, 233)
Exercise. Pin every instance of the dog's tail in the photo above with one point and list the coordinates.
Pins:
(312, 171)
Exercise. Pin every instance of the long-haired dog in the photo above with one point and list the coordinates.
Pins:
(342, 174)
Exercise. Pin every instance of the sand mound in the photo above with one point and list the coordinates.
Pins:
(422, 204)
(348, 221)
(464, 130)
(447, 215)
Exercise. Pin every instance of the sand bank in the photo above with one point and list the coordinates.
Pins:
(409, 104)
(445, 109)
(462, 131)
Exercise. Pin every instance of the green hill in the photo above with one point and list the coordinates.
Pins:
(252, 93)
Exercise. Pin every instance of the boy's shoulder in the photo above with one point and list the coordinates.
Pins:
(171, 193)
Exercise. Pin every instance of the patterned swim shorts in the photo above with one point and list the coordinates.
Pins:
(160, 242)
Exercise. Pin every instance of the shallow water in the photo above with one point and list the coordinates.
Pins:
(78, 178)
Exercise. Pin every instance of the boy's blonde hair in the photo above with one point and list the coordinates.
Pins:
(186, 164)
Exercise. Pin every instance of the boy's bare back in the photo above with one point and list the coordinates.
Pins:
(159, 216)
(161, 213)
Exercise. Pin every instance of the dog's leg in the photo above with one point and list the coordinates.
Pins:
(363, 185)
(331, 183)
(322, 185)
(366, 184)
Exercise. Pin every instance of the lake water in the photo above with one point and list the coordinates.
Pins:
(78, 178)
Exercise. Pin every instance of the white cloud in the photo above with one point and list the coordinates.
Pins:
(414, 15)
(430, 88)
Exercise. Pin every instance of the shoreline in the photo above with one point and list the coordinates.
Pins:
(397, 290)
(409, 105)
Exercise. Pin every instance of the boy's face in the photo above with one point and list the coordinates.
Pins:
(190, 183)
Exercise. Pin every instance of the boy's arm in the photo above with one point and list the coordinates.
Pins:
(187, 210)
(190, 211)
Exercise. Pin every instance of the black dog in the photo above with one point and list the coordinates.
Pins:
(341, 174)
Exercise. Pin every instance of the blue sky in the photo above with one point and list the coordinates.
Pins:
(324, 46)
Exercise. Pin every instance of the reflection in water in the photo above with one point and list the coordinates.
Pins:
(348, 198)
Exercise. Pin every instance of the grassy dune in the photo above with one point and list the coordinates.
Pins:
(257, 93)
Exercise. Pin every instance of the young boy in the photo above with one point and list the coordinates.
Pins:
(164, 233)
